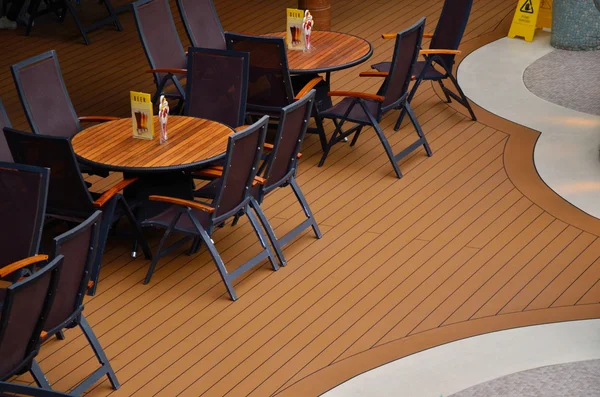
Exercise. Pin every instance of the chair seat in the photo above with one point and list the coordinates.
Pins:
(430, 74)
(184, 225)
(357, 114)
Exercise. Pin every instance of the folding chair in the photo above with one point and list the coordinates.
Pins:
(270, 86)
(163, 48)
(198, 220)
(364, 109)
(78, 246)
(217, 85)
(61, 7)
(24, 308)
(46, 101)
(23, 193)
(68, 197)
(279, 169)
(202, 24)
(442, 51)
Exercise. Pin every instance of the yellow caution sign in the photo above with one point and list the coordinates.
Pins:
(544, 19)
(525, 19)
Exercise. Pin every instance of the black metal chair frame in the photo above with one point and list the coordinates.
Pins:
(170, 74)
(23, 390)
(360, 99)
(4, 122)
(202, 235)
(244, 87)
(254, 109)
(77, 318)
(107, 202)
(61, 7)
(41, 210)
(28, 363)
(188, 29)
(4, 116)
(433, 59)
(289, 178)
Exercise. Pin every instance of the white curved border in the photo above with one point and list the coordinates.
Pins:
(567, 153)
(455, 366)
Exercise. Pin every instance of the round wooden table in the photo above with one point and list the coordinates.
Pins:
(191, 143)
(160, 169)
(331, 51)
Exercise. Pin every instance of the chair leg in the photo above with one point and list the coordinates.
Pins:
(138, 229)
(99, 352)
(443, 87)
(305, 207)
(463, 98)
(113, 14)
(107, 215)
(77, 21)
(38, 376)
(355, 138)
(417, 126)
(262, 238)
(320, 128)
(270, 232)
(212, 250)
(60, 335)
(332, 140)
(163, 240)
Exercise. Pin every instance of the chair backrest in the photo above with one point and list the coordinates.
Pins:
(244, 149)
(23, 193)
(406, 51)
(451, 27)
(293, 123)
(24, 313)
(4, 122)
(78, 246)
(269, 85)
(202, 24)
(158, 35)
(67, 194)
(217, 85)
(44, 96)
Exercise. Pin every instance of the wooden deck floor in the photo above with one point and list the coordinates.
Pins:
(469, 241)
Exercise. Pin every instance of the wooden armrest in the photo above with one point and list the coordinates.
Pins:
(6, 270)
(241, 128)
(217, 172)
(373, 74)
(393, 35)
(184, 203)
(97, 118)
(110, 193)
(439, 52)
(309, 86)
(90, 284)
(167, 70)
(353, 94)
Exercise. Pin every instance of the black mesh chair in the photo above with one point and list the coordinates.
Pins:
(270, 86)
(217, 85)
(198, 220)
(442, 52)
(163, 48)
(23, 192)
(4, 150)
(202, 24)
(46, 101)
(61, 7)
(22, 390)
(279, 169)
(25, 306)
(367, 109)
(68, 196)
(78, 246)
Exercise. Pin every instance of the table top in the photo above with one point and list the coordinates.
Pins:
(192, 142)
(331, 51)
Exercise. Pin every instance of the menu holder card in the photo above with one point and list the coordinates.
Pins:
(294, 33)
(141, 115)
